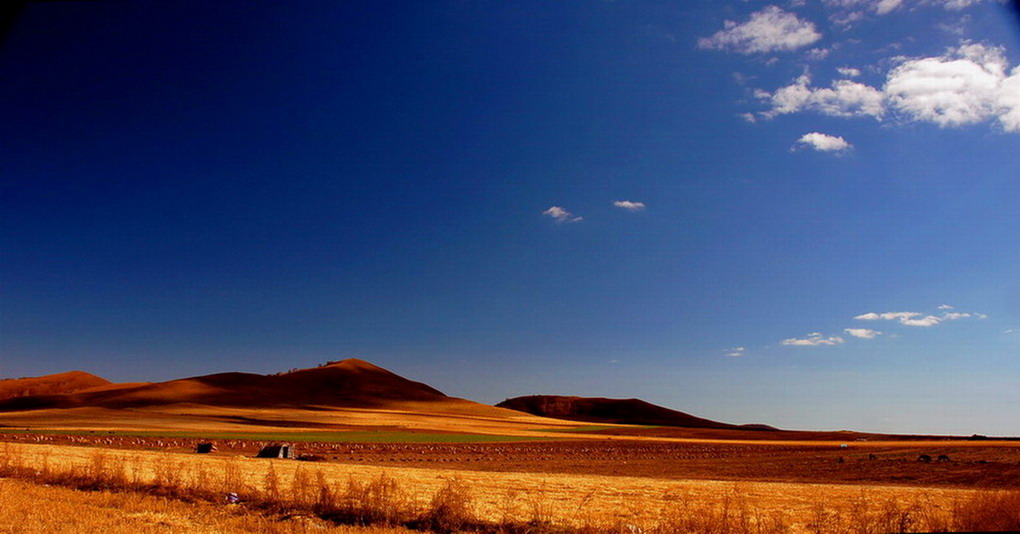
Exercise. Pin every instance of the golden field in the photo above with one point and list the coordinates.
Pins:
(483, 500)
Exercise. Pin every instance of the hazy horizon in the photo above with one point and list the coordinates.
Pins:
(798, 213)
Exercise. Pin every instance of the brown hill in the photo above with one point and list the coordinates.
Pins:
(347, 383)
(57, 384)
(616, 411)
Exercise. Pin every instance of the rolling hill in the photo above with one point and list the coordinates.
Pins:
(57, 384)
(616, 411)
(346, 383)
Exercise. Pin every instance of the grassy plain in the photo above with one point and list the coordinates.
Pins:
(556, 502)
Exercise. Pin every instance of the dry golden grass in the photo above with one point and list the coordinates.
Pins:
(30, 509)
(447, 501)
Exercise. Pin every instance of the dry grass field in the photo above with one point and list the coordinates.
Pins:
(447, 500)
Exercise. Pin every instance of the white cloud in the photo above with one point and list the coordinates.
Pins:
(629, 205)
(814, 339)
(904, 318)
(918, 318)
(863, 333)
(735, 352)
(823, 142)
(926, 321)
(883, 7)
(561, 215)
(818, 54)
(848, 72)
(952, 316)
(966, 85)
(768, 30)
(844, 98)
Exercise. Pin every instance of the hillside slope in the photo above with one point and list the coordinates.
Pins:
(616, 411)
(347, 383)
(56, 384)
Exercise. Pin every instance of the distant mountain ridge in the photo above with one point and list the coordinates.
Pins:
(347, 383)
(615, 411)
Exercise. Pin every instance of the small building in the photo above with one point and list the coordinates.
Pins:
(277, 450)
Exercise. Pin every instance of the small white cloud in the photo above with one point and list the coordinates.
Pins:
(823, 142)
(980, 315)
(918, 318)
(926, 321)
(629, 205)
(817, 54)
(735, 352)
(863, 333)
(768, 30)
(814, 339)
(848, 72)
(904, 318)
(561, 215)
(952, 316)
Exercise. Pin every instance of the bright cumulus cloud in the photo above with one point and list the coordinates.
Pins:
(768, 30)
(814, 339)
(629, 205)
(968, 84)
(561, 215)
(823, 142)
(863, 333)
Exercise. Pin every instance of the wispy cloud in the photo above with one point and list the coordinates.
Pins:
(768, 30)
(849, 11)
(863, 333)
(823, 143)
(918, 318)
(904, 318)
(735, 352)
(814, 339)
(629, 205)
(561, 215)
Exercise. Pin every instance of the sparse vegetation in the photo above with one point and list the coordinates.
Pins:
(385, 502)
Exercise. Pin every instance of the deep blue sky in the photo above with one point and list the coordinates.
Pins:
(816, 218)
